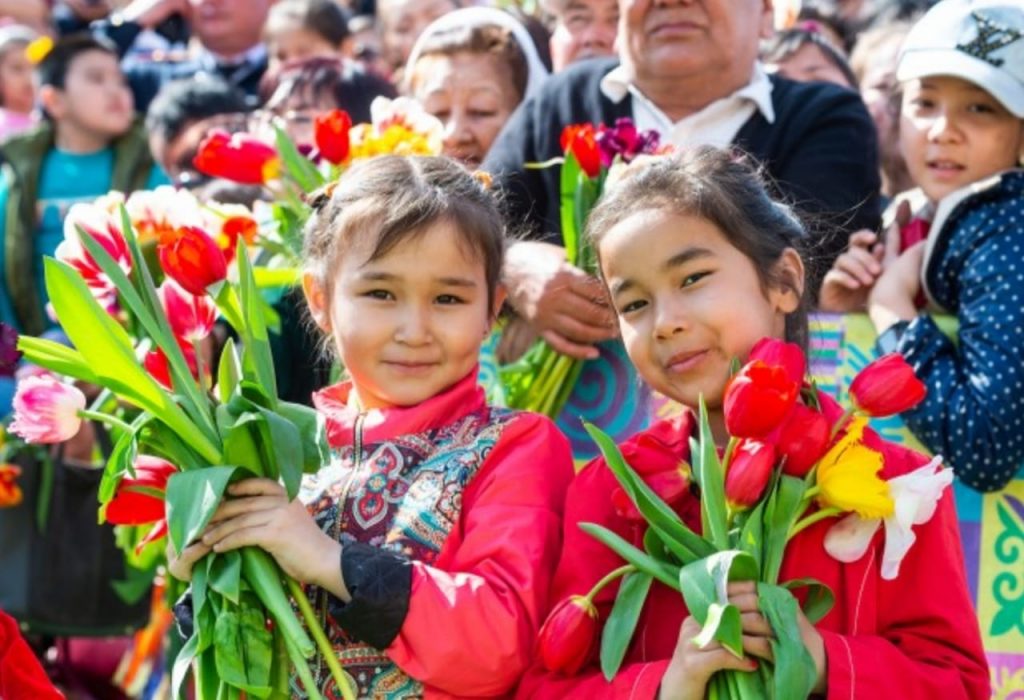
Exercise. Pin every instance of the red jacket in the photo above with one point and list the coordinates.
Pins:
(475, 609)
(913, 638)
(21, 675)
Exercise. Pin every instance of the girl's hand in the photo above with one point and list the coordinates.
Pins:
(846, 286)
(892, 298)
(261, 515)
(180, 565)
(691, 668)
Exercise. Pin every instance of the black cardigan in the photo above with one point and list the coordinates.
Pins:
(821, 152)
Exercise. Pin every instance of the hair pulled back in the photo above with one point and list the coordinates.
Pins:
(714, 185)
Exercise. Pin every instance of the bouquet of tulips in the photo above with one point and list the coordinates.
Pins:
(542, 380)
(398, 127)
(182, 431)
(785, 468)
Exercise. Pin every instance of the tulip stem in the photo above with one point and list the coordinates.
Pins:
(730, 448)
(811, 492)
(841, 423)
(324, 645)
(621, 571)
(105, 418)
(814, 517)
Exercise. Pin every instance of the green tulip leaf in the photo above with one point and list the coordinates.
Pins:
(569, 176)
(784, 506)
(299, 168)
(243, 441)
(284, 448)
(622, 621)
(795, 673)
(818, 600)
(687, 545)
(751, 539)
(257, 360)
(183, 663)
(191, 500)
(708, 468)
(226, 575)
(666, 573)
(312, 432)
(121, 458)
(229, 371)
(722, 623)
(706, 581)
(56, 357)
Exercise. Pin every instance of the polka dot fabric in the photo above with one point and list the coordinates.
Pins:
(974, 412)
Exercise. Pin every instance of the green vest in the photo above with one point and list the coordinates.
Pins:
(22, 165)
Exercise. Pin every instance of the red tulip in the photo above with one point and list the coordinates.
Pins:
(886, 387)
(777, 353)
(233, 228)
(158, 366)
(656, 455)
(330, 132)
(569, 636)
(134, 502)
(758, 398)
(581, 141)
(802, 439)
(237, 157)
(192, 259)
(749, 471)
(10, 492)
(191, 317)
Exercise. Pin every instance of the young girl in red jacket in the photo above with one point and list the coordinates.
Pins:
(430, 540)
(700, 264)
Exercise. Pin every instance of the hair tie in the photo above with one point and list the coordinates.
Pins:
(38, 49)
(484, 178)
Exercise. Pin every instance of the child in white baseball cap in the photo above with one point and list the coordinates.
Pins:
(961, 69)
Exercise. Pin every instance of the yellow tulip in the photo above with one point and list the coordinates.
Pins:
(848, 476)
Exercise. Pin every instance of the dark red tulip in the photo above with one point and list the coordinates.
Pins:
(569, 636)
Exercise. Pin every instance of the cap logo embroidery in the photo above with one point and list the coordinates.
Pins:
(991, 37)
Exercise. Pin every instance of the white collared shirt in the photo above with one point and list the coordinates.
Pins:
(715, 125)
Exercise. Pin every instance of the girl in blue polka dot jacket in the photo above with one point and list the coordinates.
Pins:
(962, 135)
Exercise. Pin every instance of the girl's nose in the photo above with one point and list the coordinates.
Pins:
(414, 327)
(456, 131)
(944, 129)
(669, 320)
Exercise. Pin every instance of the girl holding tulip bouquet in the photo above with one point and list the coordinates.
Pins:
(429, 541)
(703, 269)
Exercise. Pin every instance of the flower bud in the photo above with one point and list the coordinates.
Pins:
(802, 439)
(192, 258)
(569, 636)
(749, 471)
(46, 410)
(886, 387)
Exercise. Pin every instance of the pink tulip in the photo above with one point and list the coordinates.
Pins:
(191, 317)
(46, 410)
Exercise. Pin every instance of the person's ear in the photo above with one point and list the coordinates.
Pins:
(500, 294)
(52, 100)
(316, 297)
(767, 19)
(788, 290)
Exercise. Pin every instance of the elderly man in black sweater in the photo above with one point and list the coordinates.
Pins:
(689, 69)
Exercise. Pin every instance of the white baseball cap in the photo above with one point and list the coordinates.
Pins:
(980, 41)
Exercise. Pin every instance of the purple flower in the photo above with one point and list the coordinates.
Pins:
(626, 141)
(9, 353)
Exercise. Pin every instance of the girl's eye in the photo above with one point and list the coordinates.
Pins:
(449, 299)
(694, 278)
(482, 114)
(922, 103)
(382, 294)
(981, 108)
(632, 306)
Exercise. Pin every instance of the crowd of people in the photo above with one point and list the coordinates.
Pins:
(834, 156)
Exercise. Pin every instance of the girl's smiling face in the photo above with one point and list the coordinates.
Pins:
(409, 324)
(688, 301)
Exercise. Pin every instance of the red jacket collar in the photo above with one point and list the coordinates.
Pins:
(462, 398)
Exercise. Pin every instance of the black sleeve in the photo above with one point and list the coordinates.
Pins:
(380, 583)
(184, 618)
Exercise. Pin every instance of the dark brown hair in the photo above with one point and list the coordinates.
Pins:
(487, 39)
(395, 198)
(714, 185)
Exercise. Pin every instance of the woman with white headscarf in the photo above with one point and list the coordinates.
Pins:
(471, 68)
